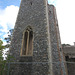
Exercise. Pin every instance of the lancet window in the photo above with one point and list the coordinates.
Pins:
(27, 43)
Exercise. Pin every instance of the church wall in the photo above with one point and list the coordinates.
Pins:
(32, 13)
(70, 64)
(57, 56)
(45, 58)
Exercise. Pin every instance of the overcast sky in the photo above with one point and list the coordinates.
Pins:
(65, 14)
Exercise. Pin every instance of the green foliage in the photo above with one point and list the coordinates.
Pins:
(2, 62)
(1, 50)
(8, 39)
(10, 58)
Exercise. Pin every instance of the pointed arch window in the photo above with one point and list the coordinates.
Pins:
(27, 43)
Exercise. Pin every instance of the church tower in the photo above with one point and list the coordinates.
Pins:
(36, 43)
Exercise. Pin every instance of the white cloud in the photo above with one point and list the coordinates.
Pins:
(6, 35)
(65, 13)
(4, 43)
(66, 18)
(8, 17)
(51, 1)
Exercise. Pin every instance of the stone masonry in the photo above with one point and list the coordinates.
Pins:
(69, 54)
(46, 58)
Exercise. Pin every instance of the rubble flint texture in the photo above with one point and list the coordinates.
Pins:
(39, 16)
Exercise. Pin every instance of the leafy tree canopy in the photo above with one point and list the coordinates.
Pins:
(1, 50)
(8, 39)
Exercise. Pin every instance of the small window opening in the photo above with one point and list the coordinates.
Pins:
(50, 11)
(57, 24)
(31, 3)
(27, 42)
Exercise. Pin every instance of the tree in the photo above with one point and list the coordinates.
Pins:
(8, 39)
(1, 50)
(2, 65)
